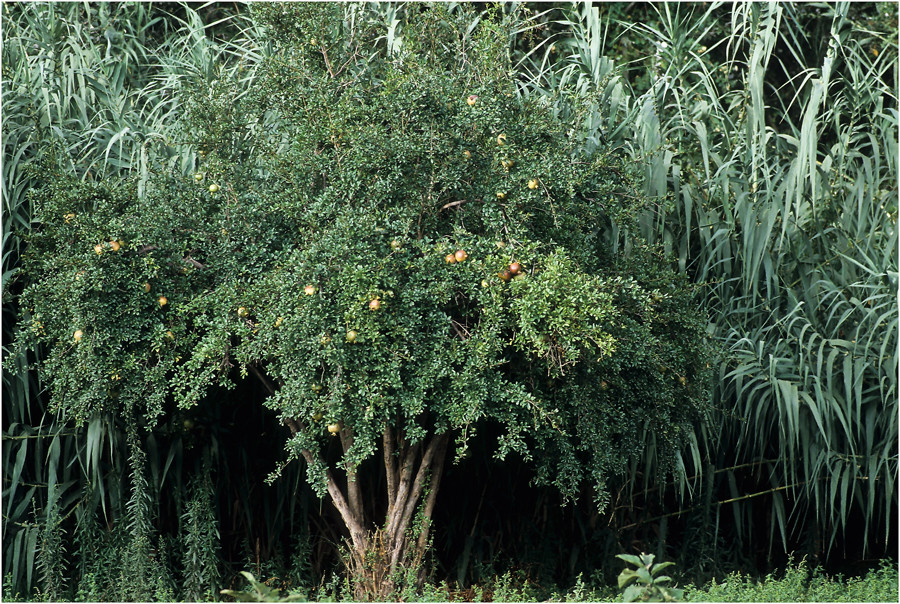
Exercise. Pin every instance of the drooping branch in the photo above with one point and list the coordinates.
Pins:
(350, 507)
(293, 424)
(266, 382)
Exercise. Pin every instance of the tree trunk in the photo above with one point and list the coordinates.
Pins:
(380, 553)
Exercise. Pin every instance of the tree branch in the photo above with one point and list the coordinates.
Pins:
(399, 503)
(390, 467)
(194, 263)
(452, 204)
(293, 425)
(357, 529)
(440, 457)
(354, 494)
(266, 382)
(437, 442)
(405, 508)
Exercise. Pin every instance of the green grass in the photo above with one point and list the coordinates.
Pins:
(797, 583)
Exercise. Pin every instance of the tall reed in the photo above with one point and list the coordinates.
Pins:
(91, 90)
(771, 146)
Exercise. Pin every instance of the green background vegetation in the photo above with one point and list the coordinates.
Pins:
(764, 138)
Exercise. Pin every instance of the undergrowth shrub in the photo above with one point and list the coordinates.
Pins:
(200, 541)
(801, 584)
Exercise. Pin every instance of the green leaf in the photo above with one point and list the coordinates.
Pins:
(633, 594)
(662, 565)
(626, 577)
(630, 559)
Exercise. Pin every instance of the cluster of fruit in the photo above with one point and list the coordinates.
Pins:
(113, 244)
(199, 176)
(458, 256)
(514, 270)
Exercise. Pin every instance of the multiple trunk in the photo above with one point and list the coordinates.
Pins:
(413, 472)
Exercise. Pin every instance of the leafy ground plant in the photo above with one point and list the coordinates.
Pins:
(643, 583)
(259, 592)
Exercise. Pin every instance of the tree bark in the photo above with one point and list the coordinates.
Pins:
(422, 544)
(405, 505)
(408, 456)
(377, 554)
(355, 524)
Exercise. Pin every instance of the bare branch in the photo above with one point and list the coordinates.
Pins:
(438, 442)
(194, 263)
(439, 458)
(327, 63)
(452, 204)
(406, 470)
(293, 425)
(355, 524)
(460, 329)
(266, 382)
(226, 360)
(408, 507)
